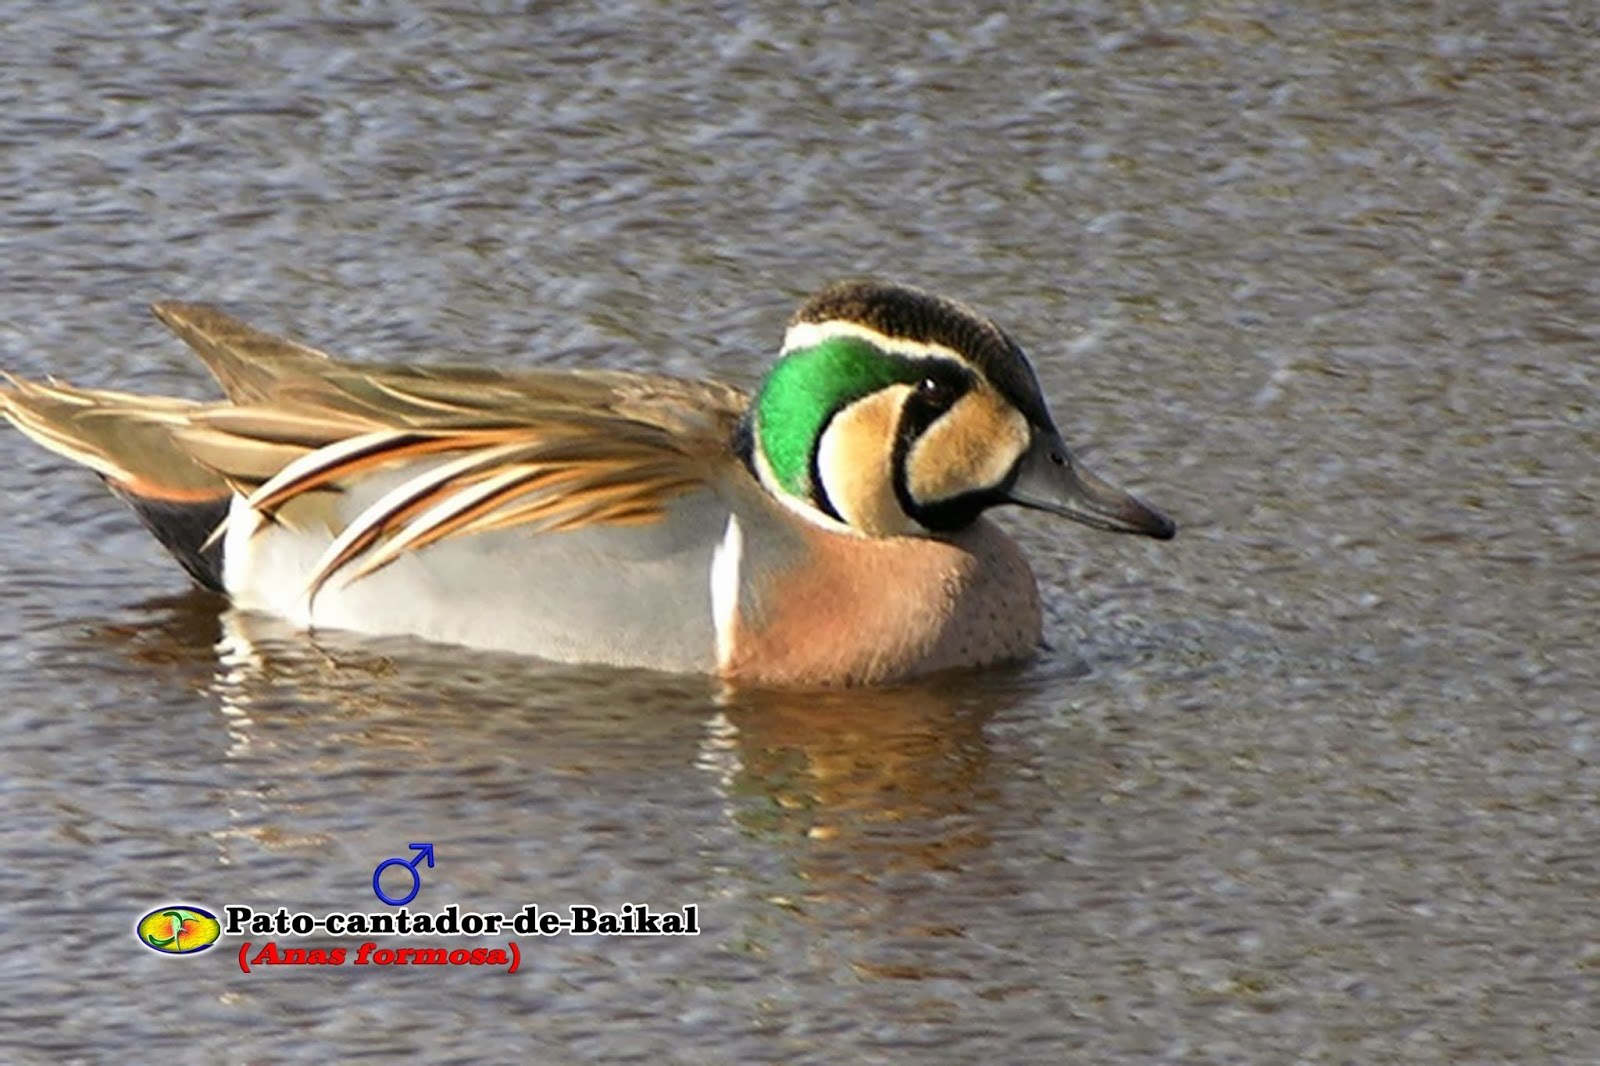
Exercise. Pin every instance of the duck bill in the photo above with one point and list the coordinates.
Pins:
(1049, 479)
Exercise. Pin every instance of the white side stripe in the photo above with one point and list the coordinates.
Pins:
(725, 563)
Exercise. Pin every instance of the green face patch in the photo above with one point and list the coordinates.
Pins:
(806, 388)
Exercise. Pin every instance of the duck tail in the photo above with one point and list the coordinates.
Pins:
(130, 441)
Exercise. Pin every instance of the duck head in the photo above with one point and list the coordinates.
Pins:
(892, 411)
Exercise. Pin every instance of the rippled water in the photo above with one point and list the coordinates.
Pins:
(1315, 782)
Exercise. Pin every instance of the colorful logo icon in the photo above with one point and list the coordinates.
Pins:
(179, 930)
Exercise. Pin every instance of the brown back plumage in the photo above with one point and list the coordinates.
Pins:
(482, 449)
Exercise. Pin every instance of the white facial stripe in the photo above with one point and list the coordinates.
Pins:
(811, 334)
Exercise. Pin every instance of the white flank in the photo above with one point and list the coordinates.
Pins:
(258, 579)
(725, 563)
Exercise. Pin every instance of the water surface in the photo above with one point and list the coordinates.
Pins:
(1315, 782)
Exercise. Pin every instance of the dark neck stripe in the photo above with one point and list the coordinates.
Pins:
(819, 489)
(945, 516)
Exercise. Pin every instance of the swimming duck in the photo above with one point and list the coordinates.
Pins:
(828, 530)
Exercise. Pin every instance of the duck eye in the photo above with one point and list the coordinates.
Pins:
(934, 390)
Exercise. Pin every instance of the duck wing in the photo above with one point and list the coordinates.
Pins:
(478, 449)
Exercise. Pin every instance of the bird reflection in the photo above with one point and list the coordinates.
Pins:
(846, 785)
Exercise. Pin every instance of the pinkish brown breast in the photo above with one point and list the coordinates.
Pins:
(867, 610)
